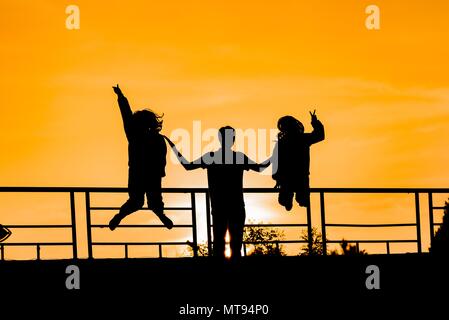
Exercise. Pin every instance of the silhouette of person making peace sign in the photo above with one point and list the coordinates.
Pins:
(291, 159)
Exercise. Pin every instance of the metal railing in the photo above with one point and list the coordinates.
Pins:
(72, 226)
(91, 243)
(416, 192)
(192, 208)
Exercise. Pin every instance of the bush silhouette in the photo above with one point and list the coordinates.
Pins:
(261, 241)
(349, 250)
(440, 243)
(317, 243)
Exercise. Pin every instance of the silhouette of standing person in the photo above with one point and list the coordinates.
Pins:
(147, 159)
(291, 159)
(225, 169)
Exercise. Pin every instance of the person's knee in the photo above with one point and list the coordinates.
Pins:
(135, 203)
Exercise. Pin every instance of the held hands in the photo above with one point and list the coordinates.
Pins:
(169, 141)
(117, 90)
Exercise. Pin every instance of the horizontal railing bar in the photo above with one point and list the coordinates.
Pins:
(43, 226)
(141, 226)
(146, 209)
(373, 241)
(94, 189)
(276, 225)
(203, 190)
(439, 208)
(370, 225)
(274, 241)
(138, 243)
(356, 190)
(16, 244)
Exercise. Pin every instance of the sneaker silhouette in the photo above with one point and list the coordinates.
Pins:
(115, 221)
(165, 220)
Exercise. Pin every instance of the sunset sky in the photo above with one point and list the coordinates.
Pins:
(383, 95)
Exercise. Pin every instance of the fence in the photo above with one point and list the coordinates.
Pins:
(192, 208)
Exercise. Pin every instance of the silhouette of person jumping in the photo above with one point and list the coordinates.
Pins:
(225, 169)
(147, 159)
(4, 233)
(291, 159)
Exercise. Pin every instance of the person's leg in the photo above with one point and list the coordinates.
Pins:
(220, 224)
(134, 203)
(236, 228)
(155, 203)
(303, 192)
(285, 198)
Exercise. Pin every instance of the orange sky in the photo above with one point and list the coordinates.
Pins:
(382, 95)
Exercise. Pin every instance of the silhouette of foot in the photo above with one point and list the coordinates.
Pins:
(286, 203)
(115, 221)
(164, 219)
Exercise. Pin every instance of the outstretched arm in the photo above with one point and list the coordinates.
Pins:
(125, 110)
(185, 163)
(317, 134)
(252, 165)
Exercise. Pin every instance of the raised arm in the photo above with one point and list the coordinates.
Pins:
(185, 163)
(125, 110)
(317, 134)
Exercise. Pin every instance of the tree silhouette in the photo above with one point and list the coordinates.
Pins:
(440, 243)
(202, 249)
(349, 250)
(260, 240)
(317, 243)
(263, 241)
(317, 246)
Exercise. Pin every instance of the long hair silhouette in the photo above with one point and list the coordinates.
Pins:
(289, 125)
(148, 119)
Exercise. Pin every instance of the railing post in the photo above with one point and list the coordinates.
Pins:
(73, 217)
(244, 249)
(2, 253)
(388, 247)
(209, 237)
(431, 223)
(323, 224)
(309, 226)
(38, 252)
(418, 222)
(160, 250)
(194, 235)
(88, 226)
(126, 251)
